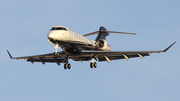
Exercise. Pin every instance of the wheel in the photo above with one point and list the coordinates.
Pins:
(56, 53)
(95, 65)
(69, 66)
(91, 65)
(65, 66)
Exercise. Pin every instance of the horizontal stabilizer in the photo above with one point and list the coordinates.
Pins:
(109, 32)
(121, 32)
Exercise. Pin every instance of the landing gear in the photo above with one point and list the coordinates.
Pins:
(56, 48)
(67, 66)
(56, 53)
(93, 64)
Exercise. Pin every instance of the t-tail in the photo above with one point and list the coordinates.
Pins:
(102, 34)
(100, 42)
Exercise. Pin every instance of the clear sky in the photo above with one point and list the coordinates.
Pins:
(24, 25)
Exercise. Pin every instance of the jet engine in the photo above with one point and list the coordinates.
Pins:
(103, 45)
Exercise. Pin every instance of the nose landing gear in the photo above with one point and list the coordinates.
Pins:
(56, 48)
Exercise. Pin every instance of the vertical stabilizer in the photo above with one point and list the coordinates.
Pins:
(102, 34)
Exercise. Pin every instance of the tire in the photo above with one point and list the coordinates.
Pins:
(56, 54)
(91, 65)
(95, 65)
(65, 66)
(69, 66)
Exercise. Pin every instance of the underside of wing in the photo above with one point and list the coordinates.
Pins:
(51, 57)
(86, 55)
(114, 55)
(51, 60)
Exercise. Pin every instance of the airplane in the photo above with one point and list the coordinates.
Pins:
(79, 48)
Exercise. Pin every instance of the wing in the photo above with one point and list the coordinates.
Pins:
(43, 58)
(114, 55)
(86, 55)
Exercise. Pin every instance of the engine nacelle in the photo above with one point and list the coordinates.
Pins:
(103, 45)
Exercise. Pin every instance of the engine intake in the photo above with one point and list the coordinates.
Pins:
(100, 43)
(103, 45)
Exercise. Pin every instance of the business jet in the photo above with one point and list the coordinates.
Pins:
(79, 48)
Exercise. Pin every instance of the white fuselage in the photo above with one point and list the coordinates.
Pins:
(67, 35)
(61, 35)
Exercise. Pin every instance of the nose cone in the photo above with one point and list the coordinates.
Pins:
(57, 35)
(52, 35)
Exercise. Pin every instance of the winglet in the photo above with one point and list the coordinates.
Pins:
(9, 54)
(169, 47)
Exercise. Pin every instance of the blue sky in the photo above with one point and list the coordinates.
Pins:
(24, 26)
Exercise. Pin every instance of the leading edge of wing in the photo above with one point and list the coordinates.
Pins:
(122, 52)
(50, 55)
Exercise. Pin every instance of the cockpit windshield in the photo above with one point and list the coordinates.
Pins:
(59, 28)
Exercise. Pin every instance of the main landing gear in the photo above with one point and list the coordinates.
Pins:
(67, 66)
(93, 64)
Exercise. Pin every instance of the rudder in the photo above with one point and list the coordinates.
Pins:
(102, 34)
